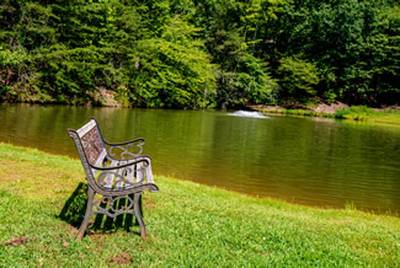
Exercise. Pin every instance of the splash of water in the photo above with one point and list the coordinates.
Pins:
(249, 114)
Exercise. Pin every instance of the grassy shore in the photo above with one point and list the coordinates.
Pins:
(188, 225)
(355, 113)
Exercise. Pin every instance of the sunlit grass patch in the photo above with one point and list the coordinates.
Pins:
(363, 113)
(37, 175)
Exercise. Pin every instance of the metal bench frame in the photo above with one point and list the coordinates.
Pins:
(116, 176)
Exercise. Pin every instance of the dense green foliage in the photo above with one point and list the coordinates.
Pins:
(298, 79)
(200, 54)
(188, 225)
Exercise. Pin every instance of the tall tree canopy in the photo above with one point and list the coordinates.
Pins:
(200, 54)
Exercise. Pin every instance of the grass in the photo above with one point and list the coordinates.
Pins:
(291, 112)
(363, 113)
(188, 225)
(354, 113)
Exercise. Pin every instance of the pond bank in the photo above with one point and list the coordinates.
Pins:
(188, 225)
(338, 111)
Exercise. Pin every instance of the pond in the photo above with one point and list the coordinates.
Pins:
(310, 161)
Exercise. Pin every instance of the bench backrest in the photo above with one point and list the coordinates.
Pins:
(91, 148)
(92, 143)
(89, 142)
(93, 154)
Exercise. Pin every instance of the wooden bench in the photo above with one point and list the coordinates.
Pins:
(117, 175)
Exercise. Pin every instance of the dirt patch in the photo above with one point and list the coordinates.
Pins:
(121, 259)
(65, 244)
(329, 109)
(149, 204)
(17, 241)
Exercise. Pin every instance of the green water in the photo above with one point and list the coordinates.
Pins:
(303, 160)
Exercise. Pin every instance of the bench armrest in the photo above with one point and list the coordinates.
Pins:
(137, 140)
(124, 177)
(125, 150)
(137, 160)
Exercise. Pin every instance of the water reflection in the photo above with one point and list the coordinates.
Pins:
(323, 163)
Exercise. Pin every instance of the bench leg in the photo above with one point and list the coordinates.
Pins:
(88, 214)
(138, 214)
(141, 205)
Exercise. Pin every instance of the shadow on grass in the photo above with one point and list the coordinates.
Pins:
(74, 210)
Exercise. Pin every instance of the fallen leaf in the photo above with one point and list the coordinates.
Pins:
(16, 241)
(122, 258)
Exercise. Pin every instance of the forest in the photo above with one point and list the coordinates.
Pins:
(192, 54)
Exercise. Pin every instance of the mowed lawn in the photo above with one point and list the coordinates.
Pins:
(188, 225)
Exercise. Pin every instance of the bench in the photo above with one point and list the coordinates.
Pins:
(117, 175)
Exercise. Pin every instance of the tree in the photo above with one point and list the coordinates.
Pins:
(173, 70)
(298, 79)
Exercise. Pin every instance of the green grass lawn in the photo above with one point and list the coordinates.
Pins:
(188, 225)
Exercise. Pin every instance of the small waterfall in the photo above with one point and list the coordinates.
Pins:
(249, 114)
